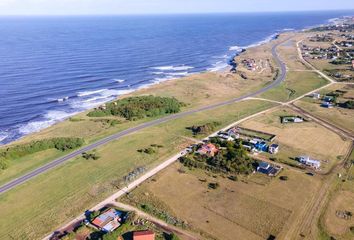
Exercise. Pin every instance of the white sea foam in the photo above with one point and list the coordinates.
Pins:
(3, 136)
(100, 97)
(87, 93)
(220, 65)
(266, 40)
(119, 80)
(173, 68)
(162, 79)
(50, 118)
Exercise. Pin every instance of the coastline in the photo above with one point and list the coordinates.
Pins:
(229, 66)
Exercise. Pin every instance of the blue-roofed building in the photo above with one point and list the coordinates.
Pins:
(261, 146)
(267, 169)
(327, 105)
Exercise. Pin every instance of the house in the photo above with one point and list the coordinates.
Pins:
(226, 137)
(292, 119)
(208, 149)
(144, 235)
(261, 146)
(273, 149)
(309, 162)
(328, 99)
(267, 169)
(109, 220)
(327, 105)
(316, 95)
(233, 132)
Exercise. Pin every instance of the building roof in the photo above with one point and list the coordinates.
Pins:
(274, 146)
(111, 226)
(106, 217)
(144, 235)
(264, 165)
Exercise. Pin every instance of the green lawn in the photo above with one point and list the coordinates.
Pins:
(295, 85)
(39, 206)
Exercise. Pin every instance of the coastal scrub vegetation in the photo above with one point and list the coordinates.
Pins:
(133, 108)
(61, 144)
(231, 158)
(204, 129)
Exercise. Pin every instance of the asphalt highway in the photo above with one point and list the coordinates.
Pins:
(280, 78)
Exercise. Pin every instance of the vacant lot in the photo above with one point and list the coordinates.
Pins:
(245, 208)
(298, 139)
(336, 226)
(44, 203)
(295, 85)
(341, 117)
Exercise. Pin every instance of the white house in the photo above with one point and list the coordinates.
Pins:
(309, 162)
(273, 149)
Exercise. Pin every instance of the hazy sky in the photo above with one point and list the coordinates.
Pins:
(78, 7)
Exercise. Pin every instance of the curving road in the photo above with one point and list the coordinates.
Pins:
(61, 160)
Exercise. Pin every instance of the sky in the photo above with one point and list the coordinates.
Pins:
(118, 7)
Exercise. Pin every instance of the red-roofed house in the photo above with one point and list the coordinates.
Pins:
(108, 221)
(144, 235)
(208, 149)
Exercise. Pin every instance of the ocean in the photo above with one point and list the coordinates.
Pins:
(54, 67)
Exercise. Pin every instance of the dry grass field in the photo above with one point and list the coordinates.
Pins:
(295, 85)
(298, 139)
(39, 206)
(245, 209)
(339, 116)
(336, 226)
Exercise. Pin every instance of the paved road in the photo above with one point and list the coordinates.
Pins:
(61, 160)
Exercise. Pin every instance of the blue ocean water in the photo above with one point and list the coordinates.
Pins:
(54, 67)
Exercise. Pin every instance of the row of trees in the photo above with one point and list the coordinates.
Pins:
(231, 158)
(133, 108)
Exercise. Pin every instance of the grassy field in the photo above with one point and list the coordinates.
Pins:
(298, 139)
(295, 85)
(336, 226)
(44, 203)
(341, 199)
(252, 208)
(339, 116)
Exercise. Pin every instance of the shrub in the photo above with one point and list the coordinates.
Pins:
(284, 178)
(204, 129)
(61, 144)
(214, 185)
(89, 156)
(4, 163)
(134, 108)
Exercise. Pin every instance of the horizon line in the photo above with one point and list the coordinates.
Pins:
(165, 14)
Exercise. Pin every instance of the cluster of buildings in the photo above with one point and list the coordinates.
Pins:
(330, 53)
(328, 102)
(322, 38)
(111, 219)
(345, 43)
(250, 64)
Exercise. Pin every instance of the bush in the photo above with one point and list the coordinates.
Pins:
(214, 185)
(204, 129)
(61, 144)
(134, 108)
(89, 156)
(4, 163)
(352, 229)
(284, 178)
